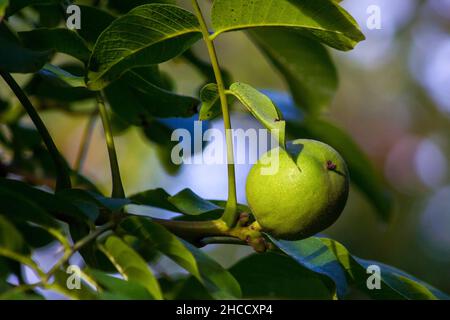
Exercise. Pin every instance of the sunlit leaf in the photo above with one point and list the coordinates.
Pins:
(219, 283)
(62, 76)
(147, 35)
(157, 198)
(262, 108)
(137, 98)
(130, 265)
(118, 289)
(15, 58)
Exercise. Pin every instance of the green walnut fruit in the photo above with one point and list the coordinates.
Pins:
(303, 195)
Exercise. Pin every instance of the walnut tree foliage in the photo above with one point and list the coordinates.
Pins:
(114, 64)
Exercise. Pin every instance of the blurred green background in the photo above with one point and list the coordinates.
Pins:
(394, 100)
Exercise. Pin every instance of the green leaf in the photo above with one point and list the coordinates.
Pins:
(187, 202)
(59, 285)
(54, 92)
(60, 40)
(312, 254)
(84, 201)
(35, 236)
(147, 35)
(94, 22)
(62, 76)
(260, 278)
(15, 58)
(10, 237)
(395, 284)
(262, 109)
(219, 283)
(3, 5)
(125, 6)
(21, 207)
(137, 99)
(44, 204)
(321, 19)
(362, 173)
(157, 198)
(17, 5)
(211, 107)
(130, 265)
(304, 63)
(118, 289)
(157, 237)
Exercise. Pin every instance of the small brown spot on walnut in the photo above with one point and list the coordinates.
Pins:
(330, 165)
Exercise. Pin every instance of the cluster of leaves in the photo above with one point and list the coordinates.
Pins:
(117, 52)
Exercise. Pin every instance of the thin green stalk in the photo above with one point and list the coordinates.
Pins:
(63, 176)
(117, 187)
(78, 246)
(230, 215)
(85, 143)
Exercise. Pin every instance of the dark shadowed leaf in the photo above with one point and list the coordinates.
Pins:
(137, 97)
(321, 19)
(94, 22)
(147, 35)
(59, 285)
(17, 5)
(312, 254)
(47, 203)
(48, 90)
(395, 284)
(187, 202)
(15, 58)
(60, 40)
(304, 63)
(274, 276)
(205, 68)
(219, 283)
(10, 238)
